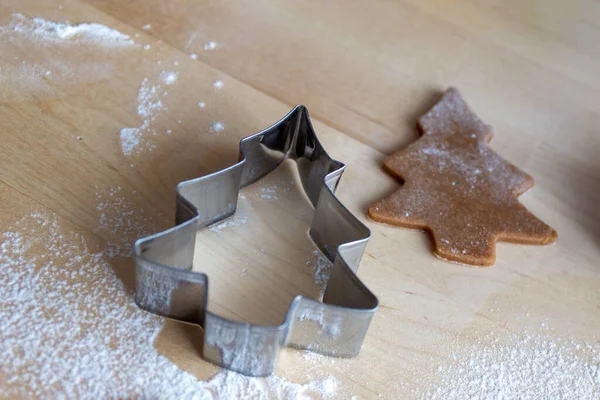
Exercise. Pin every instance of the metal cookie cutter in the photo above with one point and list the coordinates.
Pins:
(165, 284)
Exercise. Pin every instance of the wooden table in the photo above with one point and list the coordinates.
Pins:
(366, 71)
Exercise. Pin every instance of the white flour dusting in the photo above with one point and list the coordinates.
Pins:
(229, 385)
(130, 139)
(148, 99)
(217, 127)
(125, 222)
(329, 326)
(321, 268)
(71, 329)
(47, 63)
(218, 84)
(268, 193)
(168, 77)
(316, 359)
(69, 326)
(65, 33)
(524, 366)
(233, 221)
(150, 105)
(238, 219)
(211, 45)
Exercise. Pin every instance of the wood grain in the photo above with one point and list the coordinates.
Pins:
(366, 70)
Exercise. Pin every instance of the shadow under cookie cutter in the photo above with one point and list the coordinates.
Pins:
(165, 284)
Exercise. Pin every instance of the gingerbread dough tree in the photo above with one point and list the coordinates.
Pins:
(458, 189)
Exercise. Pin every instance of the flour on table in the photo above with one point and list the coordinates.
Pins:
(526, 366)
(71, 329)
(128, 223)
(66, 33)
(131, 138)
(149, 106)
(230, 385)
(268, 193)
(46, 63)
(233, 221)
(211, 45)
(238, 219)
(169, 77)
(218, 84)
(149, 102)
(217, 127)
(31, 77)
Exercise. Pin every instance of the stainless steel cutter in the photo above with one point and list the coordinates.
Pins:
(166, 285)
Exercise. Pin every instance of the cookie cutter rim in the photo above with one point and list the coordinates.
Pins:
(335, 326)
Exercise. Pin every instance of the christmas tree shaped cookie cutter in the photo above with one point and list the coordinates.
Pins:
(166, 285)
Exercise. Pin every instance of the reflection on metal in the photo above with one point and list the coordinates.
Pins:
(165, 284)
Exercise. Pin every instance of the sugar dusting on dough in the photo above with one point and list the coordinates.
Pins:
(457, 187)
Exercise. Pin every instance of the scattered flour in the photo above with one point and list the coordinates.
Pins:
(268, 193)
(238, 219)
(46, 62)
(69, 326)
(321, 267)
(316, 359)
(218, 84)
(210, 45)
(168, 77)
(150, 105)
(233, 221)
(330, 326)
(194, 56)
(229, 385)
(217, 127)
(70, 329)
(146, 27)
(124, 222)
(65, 33)
(38, 34)
(130, 139)
(526, 366)
(148, 99)
(201, 104)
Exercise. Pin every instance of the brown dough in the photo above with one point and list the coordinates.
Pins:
(458, 189)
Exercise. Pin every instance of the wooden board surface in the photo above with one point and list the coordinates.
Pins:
(366, 71)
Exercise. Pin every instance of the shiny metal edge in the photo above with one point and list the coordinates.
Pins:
(165, 284)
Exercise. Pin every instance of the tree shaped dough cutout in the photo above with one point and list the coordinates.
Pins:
(458, 189)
